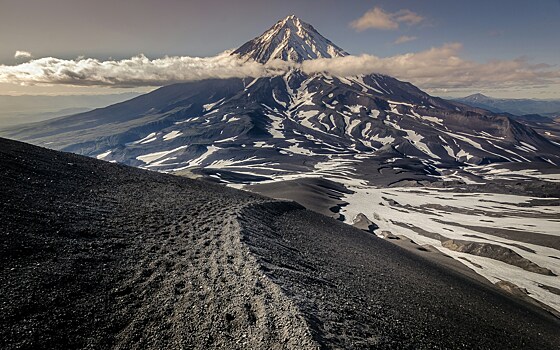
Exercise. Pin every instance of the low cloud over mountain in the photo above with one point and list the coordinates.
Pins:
(435, 68)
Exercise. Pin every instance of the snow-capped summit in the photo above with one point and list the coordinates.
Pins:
(290, 39)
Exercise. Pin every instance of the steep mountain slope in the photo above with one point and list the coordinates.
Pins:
(102, 256)
(291, 120)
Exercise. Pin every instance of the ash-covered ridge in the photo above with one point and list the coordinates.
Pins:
(289, 39)
(102, 256)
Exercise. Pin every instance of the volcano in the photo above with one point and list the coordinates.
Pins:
(258, 129)
(290, 40)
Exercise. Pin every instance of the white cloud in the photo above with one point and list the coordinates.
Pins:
(405, 39)
(442, 67)
(135, 71)
(22, 54)
(435, 68)
(408, 17)
(377, 18)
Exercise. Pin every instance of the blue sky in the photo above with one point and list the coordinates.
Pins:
(487, 31)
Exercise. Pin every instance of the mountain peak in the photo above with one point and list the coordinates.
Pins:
(292, 18)
(477, 97)
(290, 39)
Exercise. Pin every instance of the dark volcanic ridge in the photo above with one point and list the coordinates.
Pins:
(99, 255)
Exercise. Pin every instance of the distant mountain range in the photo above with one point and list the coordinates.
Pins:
(22, 109)
(541, 115)
(518, 107)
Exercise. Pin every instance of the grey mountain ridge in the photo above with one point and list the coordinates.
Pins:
(100, 256)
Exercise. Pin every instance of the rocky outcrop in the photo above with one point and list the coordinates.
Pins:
(363, 223)
(496, 252)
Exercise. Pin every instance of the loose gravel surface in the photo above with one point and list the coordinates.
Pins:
(359, 291)
(96, 255)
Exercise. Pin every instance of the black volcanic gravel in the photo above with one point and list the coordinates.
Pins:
(359, 291)
(96, 255)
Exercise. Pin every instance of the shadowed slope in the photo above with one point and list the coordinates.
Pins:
(358, 291)
(98, 255)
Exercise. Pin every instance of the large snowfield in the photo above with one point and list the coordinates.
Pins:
(473, 217)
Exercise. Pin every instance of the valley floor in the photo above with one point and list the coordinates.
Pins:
(98, 255)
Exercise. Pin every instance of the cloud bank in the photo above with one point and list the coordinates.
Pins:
(442, 68)
(132, 72)
(436, 68)
(377, 18)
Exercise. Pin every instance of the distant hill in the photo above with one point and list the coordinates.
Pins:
(520, 107)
